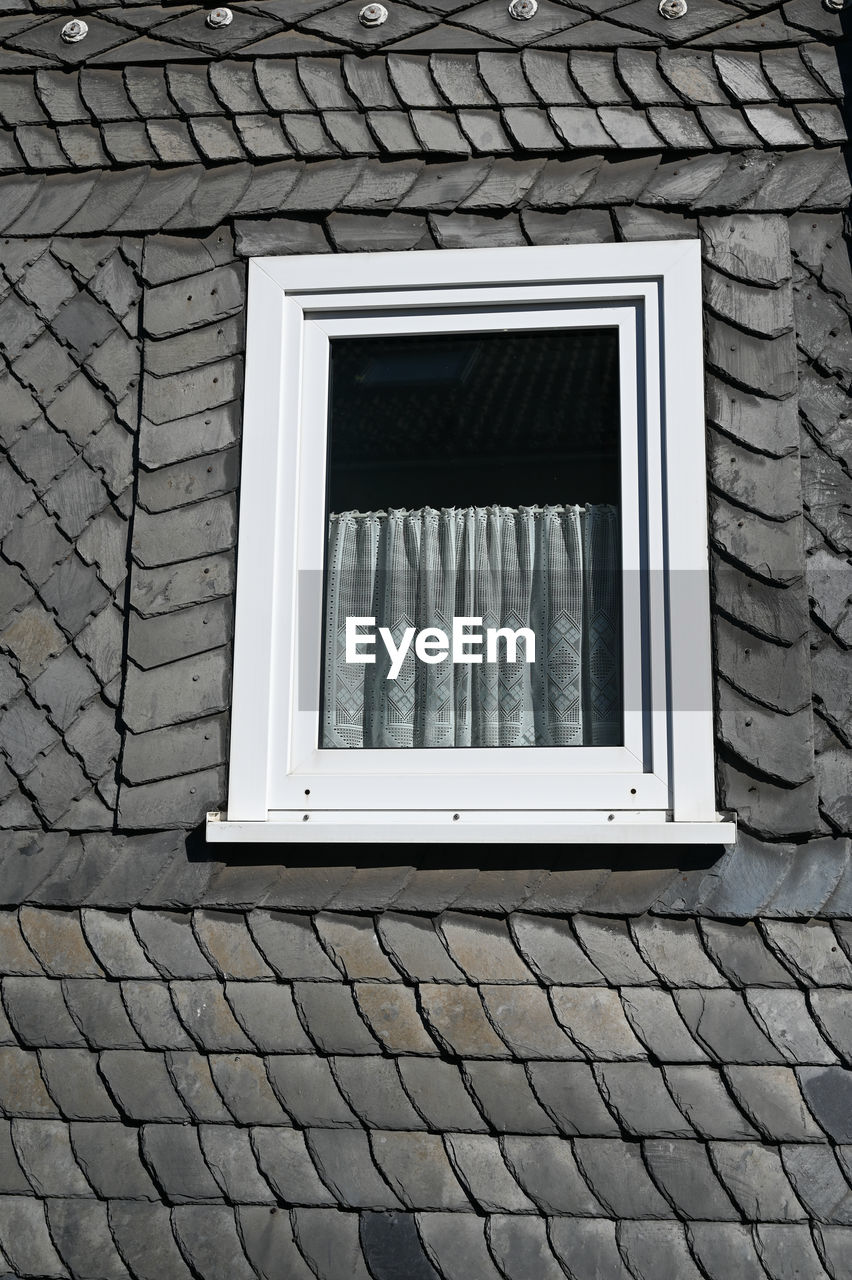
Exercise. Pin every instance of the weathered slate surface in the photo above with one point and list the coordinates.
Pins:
(387, 1071)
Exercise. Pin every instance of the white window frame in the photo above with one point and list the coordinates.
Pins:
(658, 786)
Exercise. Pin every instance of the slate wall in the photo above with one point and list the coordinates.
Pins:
(638, 1067)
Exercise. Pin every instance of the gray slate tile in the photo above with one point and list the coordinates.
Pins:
(71, 1075)
(589, 1247)
(454, 1015)
(225, 939)
(170, 944)
(720, 1021)
(332, 1019)
(787, 1252)
(25, 1239)
(372, 1089)
(173, 1155)
(437, 1091)
(44, 1151)
(209, 1236)
(99, 1012)
(636, 1093)
(504, 1097)
(484, 132)
(828, 1091)
(290, 945)
(504, 78)
(580, 127)
(143, 1234)
(479, 1164)
(723, 1249)
(329, 1240)
(268, 1016)
(785, 1017)
(673, 949)
(416, 1167)
(595, 1020)
(456, 1245)
(570, 1095)
(818, 1181)
(547, 73)
(204, 1012)
(412, 81)
(242, 1081)
(308, 1091)
(701, 1095)
(654, 1017)
(36, 1009)
(618, 1177)
(637, 68)
(12, 1176)
(229, 1154)
(771, 1098)
(754, 1177)
(392, 1246)
(652, 1248)
(811, 952)
(113, 941)
(284, 1161)
(343, 1161)
(392, 1015)
(368, 81)
(416, 948)
(352, 943)
(141, 1086)
(438, 132)
(546, 1169)
(549, 947)
(683, 1173)
(612, 950)
(57, 939)
(22, 1090)
(81, 1233)
(832, 1012)
(191, 1076)
(524, 1019)
(458, 80)
(483, 948)
(152, 1013)
(109, 1156)
(15, 956)
(520, 1245)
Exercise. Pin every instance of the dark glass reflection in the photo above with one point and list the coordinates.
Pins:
(493, 418)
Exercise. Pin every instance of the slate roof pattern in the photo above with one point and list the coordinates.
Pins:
(128, 33)
(225, 1093)
(70, 380)
(166, 746)
(397, 105)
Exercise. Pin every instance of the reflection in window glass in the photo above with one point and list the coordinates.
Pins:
(472, 592)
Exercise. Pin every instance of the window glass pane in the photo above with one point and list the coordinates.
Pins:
(473, 477)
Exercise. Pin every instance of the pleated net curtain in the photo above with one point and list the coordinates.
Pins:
(553, 569)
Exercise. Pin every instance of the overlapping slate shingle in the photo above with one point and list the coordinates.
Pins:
(412, 1095)
(523, 1133)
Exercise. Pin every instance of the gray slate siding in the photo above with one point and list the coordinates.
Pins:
(212, 1069)
(249, 1091)
(779, 533)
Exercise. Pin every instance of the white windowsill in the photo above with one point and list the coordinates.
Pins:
(477, 827)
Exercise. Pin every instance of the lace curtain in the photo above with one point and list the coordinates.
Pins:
(553, 569)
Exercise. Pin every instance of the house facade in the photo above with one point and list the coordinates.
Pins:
(300, 1054)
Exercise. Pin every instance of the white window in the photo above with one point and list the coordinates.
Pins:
(472, 587)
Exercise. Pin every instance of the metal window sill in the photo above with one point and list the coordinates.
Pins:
(467, 827)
